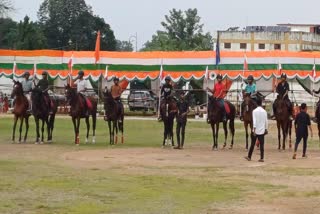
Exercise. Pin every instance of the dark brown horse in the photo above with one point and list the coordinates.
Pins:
(284, 123)
(78, 110)
(249, 106)
(40, 111)
(317, 117)
(168, 111)
(113, 115)
(20, 110)
(216, 117)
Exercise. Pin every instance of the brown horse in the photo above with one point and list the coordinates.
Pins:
(114, 115)
(41, 113)
(317, 117)
(249, 106)
(216, 117)
(284, 123)
(78, 110)
(20, 110)
(168, 111)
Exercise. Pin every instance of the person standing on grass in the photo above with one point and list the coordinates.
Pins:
(301, 124)
(183, 110)
(260, 129)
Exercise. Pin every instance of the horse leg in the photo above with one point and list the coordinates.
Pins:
(42, 131)
(88, 129)
(289, 131)
(121, 129)
(94, 122)
(279, 135)
(318, 129)
(75, 129)
(14, 128)
(51, 123)
(164, 132)
(247, 135)
(217, 134)
(27, 129)
(171, 132)
(225, 133)
(284, 135)
(20, 128)
(110, 133)
(115, 127)
(37, 130)
(232, 130)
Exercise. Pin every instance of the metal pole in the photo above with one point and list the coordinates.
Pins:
(136, 42)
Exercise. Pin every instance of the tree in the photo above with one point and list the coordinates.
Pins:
(5, 7)
(29, 36)
(182, 31)
(124, 46)
(8, 33)
(70, 24)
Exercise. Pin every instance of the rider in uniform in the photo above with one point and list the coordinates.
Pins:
(43, 85)
(27, 88)
(250, 90)
(82, 86)
(116, 92)
(283, 90)
(166, 91)
(218, 93)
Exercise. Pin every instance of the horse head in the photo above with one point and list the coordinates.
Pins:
(110, 106)
(249, 103)
(17, 89)
(70, 94)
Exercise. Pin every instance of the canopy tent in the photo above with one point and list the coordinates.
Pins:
(143, 65)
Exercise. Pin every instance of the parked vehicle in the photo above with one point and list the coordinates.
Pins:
(142, 100)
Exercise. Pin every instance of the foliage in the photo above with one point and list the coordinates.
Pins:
(182, 31)
(124, 46)
(5, 7)
(8, 33)
(70, 24)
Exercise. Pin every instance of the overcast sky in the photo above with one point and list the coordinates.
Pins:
(144, 16)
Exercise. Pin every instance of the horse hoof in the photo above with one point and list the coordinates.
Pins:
(13, 142)
(36, 143)
(49, 141)
(86, 141)
(214, 148)
(224, 145)
(41, 142)
(231, 147)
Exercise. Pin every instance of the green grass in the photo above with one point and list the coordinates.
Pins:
(44, 184)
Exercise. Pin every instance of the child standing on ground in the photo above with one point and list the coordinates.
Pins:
(301, 124)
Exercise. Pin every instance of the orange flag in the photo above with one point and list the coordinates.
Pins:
(97, 50)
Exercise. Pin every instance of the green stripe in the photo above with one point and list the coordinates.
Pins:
(146, 68)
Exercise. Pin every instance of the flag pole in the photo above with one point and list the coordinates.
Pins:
(313, 80)
(160, 79)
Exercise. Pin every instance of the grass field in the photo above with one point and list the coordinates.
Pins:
(141, 177)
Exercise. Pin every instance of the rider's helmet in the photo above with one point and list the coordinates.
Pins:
(81, 73)
(27, 73)
(167, 78)
(250, 77)
(283, 76)
(219, 76)
(115, 79)
(44, 73)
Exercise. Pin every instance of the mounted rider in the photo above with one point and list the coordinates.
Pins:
(43, 85)
(251, 91)
(283, 90)
(82, 86)
(166, 93)
(218, 93)
(116, 92)
(27, 88)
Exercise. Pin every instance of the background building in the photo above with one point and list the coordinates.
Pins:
(284, 37)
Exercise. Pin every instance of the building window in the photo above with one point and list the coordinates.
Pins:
(277, 46)
(227, 45)
(243, 45)
(262, 46)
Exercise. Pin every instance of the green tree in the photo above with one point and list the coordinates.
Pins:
(70, 24)
(29, 36)
(8, 33)
(124, 46)
(5, 7)
(182, 31)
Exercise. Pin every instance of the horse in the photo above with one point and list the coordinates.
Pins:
(317, 117)
(41, 112)
(216, 117)
(114, 115)
(168, 110)
(78, 111)
(249, 106)
(284, 123)
(20, 110)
